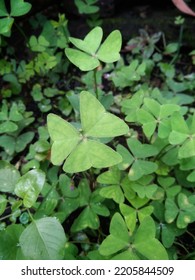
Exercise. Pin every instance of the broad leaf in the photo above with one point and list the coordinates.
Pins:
(29, 186)
(9, 239)
(43, 239)
(9, 176)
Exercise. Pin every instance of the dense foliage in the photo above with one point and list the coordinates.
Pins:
(97, 145)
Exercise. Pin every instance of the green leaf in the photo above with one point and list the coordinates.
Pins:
(87, 218)
(23, 140)
(29, 187)
(3, 10)
(171, 210)
(118, 238)
(114, 192)
(8, 126)
(91, 42)
(81, 152)
(83, 61)
(65, 138)
(19, 8)
(43, 239)
(9, 176)
(96, 122)
(9, 239)
(151, 248)
(90, 153)
(109, 50)
(6, 25)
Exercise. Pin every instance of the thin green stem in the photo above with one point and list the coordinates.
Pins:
(179, 44)
(95, 82)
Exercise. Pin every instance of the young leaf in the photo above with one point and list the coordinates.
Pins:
(43, 239)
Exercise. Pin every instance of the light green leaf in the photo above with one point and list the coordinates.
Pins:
(43, 239)
(90, 153)
(29, 186)
(151, 248)
(83, 61)
(109, 50)
(65, 138)
(118, 238)
(114, 192)
(9, 176)
(171, 210)
(96, 122)
(91, 42)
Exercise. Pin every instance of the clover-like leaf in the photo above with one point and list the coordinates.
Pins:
(89, 52)
(29, 186)
(112, 179)
(137, 159)
(154, 115)
(80, 152)
(183, 133)
(184, 211)
(19, 8)
(119, 241)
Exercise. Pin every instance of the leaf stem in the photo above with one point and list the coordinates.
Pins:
(95, 82)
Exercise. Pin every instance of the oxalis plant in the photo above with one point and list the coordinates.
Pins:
(98, 176)
(90, 53)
